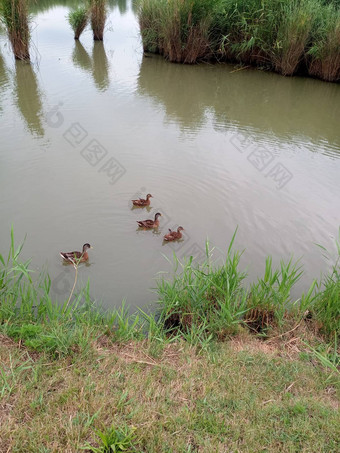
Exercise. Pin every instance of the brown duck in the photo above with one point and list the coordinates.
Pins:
(174, 235)
(150, 223)
(78, 257)
(140, 202)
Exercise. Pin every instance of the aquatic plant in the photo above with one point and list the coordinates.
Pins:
(177, 29)
(15, 17)
(293, 34)
(280, 35)
(98, 18)
(78, 19)
(324, 53)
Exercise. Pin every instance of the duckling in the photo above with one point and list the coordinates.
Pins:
(78, 257)
(174, 235)
(150, 223)
(141, 202)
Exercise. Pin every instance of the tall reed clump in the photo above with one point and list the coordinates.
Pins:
(15, 17)
(285, 36)
(324, 53)
(243, 31)
(78, 20)
(274, 33)
(150, 22)
(98, 18)
(293, 34)
(177, 29)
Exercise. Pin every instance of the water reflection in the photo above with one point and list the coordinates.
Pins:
(81, 58)
(39, 6)
(28, 97)
(100, 66)
(267, 103)
(3, 79)
(97, 65)
(122, 5)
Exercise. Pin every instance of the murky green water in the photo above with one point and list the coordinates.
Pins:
(88, 126)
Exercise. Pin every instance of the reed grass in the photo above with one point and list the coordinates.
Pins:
(287, 36)
(14, 14)
(324, 53)
(98, 18)
(201, 303)
(205, 302)
(293, 35)
(177, 29)
(78, 19)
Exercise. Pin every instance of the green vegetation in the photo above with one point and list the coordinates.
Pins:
(205, 302)
(324, 53)
(98, 18)
(114, 440)
(14, 14)
(200, 304)
(78, 19)
(287, 36)
(216, 365)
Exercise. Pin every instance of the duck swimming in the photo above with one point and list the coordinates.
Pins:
(174, 235)
(150, 223)
(78, 257)
(140, 202)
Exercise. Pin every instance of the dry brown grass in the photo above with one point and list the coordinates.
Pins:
(193, 49)
(328, 67)
(98, 18)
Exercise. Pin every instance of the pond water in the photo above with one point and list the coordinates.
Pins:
(89, 126)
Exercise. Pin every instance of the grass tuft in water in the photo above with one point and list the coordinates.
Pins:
(324, 53)
(98, 18)
(78, 19)
(14, 14)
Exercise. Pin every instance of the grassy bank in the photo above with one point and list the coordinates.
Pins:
(220, 366)
(242, 396)
(299, 36)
